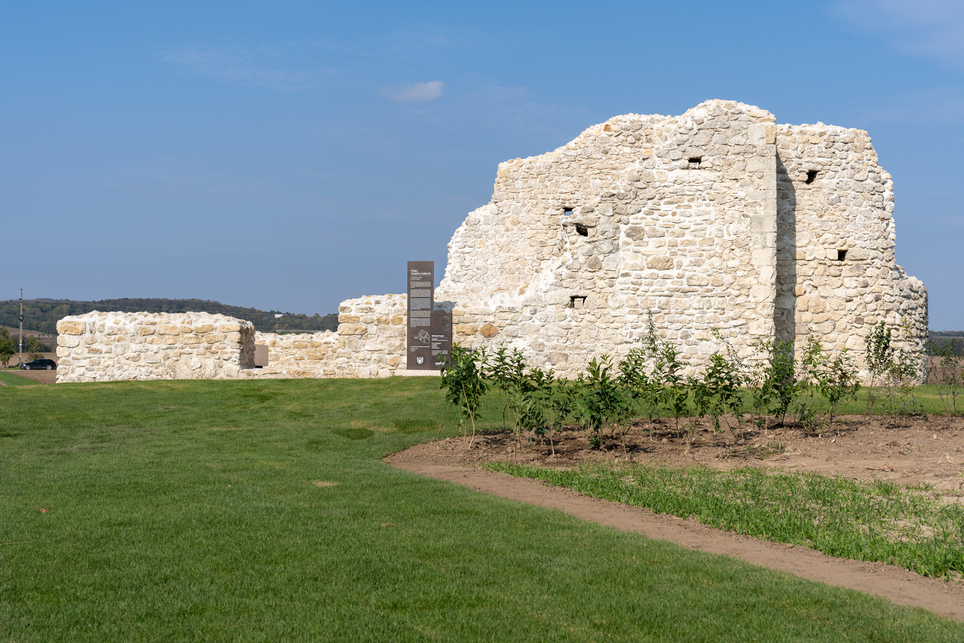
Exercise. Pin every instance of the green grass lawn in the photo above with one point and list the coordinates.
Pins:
(13, 379)
(876, 521)
(262, 511)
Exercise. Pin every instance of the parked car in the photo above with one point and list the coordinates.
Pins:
(39, 365)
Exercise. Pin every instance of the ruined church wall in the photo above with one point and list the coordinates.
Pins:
(103, 347)
(370, 342)
(650, 232)
(297, 355)
(837, 273)
(371, 336)
(715, 220)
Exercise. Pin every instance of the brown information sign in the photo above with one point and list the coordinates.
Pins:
(441, 336)
(421, 302)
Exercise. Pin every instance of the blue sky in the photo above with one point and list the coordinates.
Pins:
(289, 155)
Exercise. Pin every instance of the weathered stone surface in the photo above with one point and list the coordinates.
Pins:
(370, 342)
(717, 219)
(836, 272)
(145, 346)
(464, 330)
(488, 330)
(70, 327)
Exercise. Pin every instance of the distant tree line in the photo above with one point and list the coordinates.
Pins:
(946, 339)
(9, 347)
(42, 315)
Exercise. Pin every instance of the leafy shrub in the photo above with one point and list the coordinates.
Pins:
(774, 386)
(602, 400)
(465, 386)
(890, 365)
(834, 379)
(947, 372)
(525, 391)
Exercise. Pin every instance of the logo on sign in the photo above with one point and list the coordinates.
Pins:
(419, 360)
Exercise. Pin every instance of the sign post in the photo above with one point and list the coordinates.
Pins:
(429, 335)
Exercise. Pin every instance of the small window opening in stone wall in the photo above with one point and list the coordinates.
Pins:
(694, 162)
(811, 176)
(582, 230)
(577, 301)
(841, 255)
(567, 212)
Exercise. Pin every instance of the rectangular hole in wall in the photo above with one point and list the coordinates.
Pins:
(811, 176)
(567, 212)
(694, 162)
(841, 255)
(582, 230)
(577, 301)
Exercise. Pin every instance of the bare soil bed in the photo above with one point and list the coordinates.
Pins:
(908, 451)
(44, 377)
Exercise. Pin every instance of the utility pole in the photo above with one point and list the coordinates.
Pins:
(20, 354)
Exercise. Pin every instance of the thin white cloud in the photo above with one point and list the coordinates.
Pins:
(928, 28)
(418, 92)
(262, 66)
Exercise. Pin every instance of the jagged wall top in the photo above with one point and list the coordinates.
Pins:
(580, 245)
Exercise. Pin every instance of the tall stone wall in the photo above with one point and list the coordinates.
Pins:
(104, 347)
(837, 273)
(707, 221)
(641, 216)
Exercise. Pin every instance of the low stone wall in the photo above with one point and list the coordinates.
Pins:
(297, 355)
(370, 342)
(371, 336)
(103, 347)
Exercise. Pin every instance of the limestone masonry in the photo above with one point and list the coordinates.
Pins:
(718, 219)
(144, 346)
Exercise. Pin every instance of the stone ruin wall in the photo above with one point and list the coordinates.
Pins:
(837, 275)
(100, 347)
(371, 336)
(103, 347)
(715, 220)
(692, 243)
(293, 355)
(706, 221)
(370, 342)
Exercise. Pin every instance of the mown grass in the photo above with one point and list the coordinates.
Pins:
(927, 398)
(874, 521)
(262, 511)
(13, 379)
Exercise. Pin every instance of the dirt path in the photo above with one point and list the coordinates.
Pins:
(893, 583)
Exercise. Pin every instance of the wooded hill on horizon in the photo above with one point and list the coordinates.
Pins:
(42, 314)
(947, 339)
